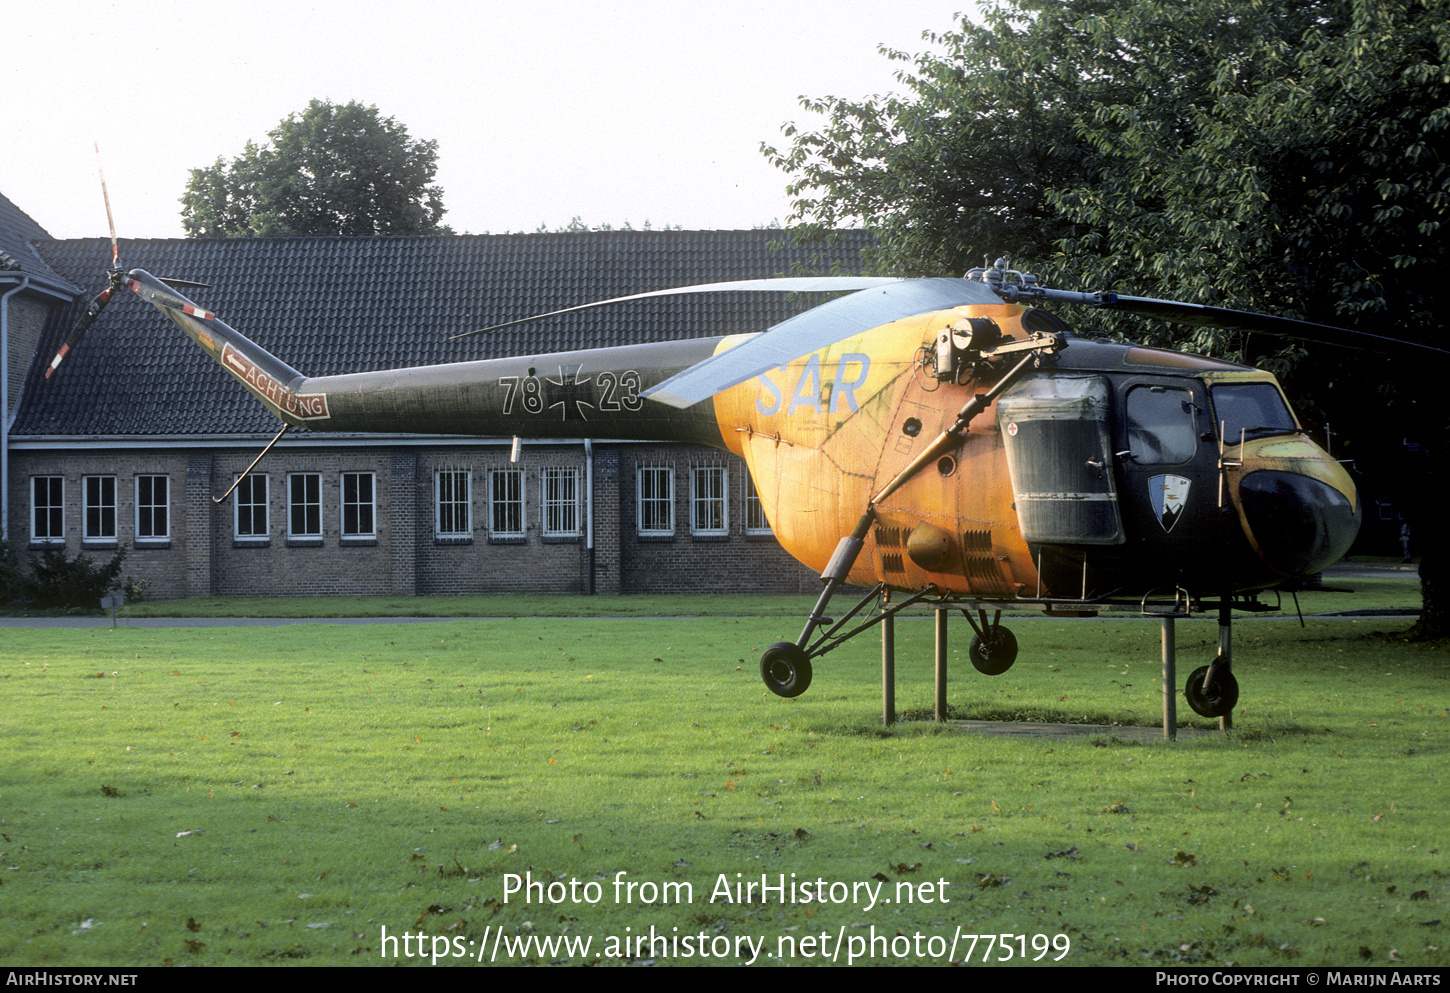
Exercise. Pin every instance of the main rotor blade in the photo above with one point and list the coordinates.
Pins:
(92, 311)
(1242, 320)
(819, 327)
(785, 284)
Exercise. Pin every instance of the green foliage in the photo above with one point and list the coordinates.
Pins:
(135, 590)
(332, 170)
(57, 581)
(1268, 154)
(576, 225)
(12, 574)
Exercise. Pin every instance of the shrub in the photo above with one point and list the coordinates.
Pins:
(14, 584)
(135, 590)
(57, 581)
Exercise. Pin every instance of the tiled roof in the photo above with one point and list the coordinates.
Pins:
(17, 232)
(336, 305)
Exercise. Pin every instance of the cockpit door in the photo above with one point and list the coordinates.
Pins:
(1168, 465)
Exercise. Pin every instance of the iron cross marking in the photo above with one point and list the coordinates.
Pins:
(570, 393)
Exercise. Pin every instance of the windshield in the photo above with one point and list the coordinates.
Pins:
(1251, 410)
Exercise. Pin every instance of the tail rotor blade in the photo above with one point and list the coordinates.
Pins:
(110, 219)
(97, 305)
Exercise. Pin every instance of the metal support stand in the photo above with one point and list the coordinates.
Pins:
(888, 670)
(940, 707)
(1170, 680)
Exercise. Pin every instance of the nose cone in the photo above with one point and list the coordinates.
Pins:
(1298, 524)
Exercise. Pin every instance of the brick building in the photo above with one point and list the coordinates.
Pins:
(129, 444)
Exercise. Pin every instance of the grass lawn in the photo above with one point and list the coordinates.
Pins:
(509, 789)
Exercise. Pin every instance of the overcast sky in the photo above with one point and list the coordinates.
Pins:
(612, 112)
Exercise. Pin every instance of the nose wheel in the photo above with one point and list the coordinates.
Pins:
(1212, 690)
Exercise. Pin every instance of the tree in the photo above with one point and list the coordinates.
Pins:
(1279, 155)
(330, 170)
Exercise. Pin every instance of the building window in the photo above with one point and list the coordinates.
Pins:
(153, 508)
(561, 503)
(506, 503)
(656, 500)
(755, 522)
(452, 518)
(250, 501)
(100, 508)
(708, 500)
(304, 505)
(47, 509)
(357, 505)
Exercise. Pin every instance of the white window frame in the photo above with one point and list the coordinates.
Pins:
(655, 500)
(311, 508)
(98, 500)
(508, 502)
(456, 500)
(246, 496)
(560, 501)
(52, 510)
(150, 508)
(755, 520)
(358, 506)
(709, 501)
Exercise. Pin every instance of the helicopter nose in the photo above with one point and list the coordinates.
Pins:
(1298, 523)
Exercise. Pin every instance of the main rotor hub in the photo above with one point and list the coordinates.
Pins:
(1008, 283)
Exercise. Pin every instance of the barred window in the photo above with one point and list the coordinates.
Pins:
(561, 502)
(656, 500)
(357, 505)
(452, 518)
(304, 505)
(153, 508)
(755, 522)
(47, 508)
(249, 501)
(708, 500)
(506, 503)
(100, 508)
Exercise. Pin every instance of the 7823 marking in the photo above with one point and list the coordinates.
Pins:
(608, 391)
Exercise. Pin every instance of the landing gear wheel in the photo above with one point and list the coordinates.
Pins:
(994, 657)
(1216, 702)
(786, 669)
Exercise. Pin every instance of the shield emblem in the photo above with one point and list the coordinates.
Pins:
(1168, 494)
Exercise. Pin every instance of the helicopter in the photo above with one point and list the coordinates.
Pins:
(939, 441)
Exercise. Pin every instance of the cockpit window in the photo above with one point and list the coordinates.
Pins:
(1160, 425)
(1251, 410)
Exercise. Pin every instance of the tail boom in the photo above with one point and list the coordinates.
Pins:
(267, 377)
(593, 393)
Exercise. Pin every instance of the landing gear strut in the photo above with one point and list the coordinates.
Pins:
(1212, 690)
